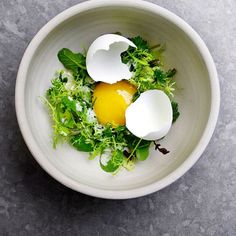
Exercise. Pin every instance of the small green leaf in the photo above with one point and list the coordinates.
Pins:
(142, 151)
(117, 157)
(72, 61)
(69, 103)
(108, 131)
(63, 131)
(109, 167)
(114, 163)
(170, 73)
(160, 76)
(175, 109)
(79, 142)
(140, 43)
(66, 119)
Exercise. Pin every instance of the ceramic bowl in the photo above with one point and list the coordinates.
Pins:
(198, 95)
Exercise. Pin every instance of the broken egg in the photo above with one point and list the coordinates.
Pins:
(103, 59)
(150, 116)
(111, 101)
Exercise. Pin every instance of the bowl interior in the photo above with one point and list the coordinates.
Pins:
(193, 94)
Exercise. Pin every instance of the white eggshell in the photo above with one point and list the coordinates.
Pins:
(150, 116)
(103, 59)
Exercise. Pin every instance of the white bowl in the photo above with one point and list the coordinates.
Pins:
(198, 95)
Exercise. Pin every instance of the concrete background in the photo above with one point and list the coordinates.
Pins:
(202, 202)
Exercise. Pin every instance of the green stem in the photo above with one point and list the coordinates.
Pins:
(51, 107)
(114, 141)
(82, 67)
(132, 153)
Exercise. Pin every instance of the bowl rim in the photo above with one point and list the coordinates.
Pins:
(93, 191)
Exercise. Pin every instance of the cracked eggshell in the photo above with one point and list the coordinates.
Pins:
(150, 116)
(103, 59)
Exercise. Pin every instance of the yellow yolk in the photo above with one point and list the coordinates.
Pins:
(111, 101)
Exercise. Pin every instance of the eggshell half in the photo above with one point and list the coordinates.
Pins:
(150, 116)
(103, 59)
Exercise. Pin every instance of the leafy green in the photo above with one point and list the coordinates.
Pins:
(140, 43)
(175, 109)
(79, 142)
(171, 73)
(75, 122)
(72, 61)
(114, 163)
(142, 153)
(147, 66)
(109, 167)
(70, 101)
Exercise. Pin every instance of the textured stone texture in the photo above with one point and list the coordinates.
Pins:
(201, 203)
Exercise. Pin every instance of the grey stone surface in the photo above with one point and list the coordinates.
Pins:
(202, 202)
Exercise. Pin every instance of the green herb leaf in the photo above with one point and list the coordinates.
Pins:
(175, 109)
(68, 103)
(63, 131)
(142, 153)
(171, 73)
(79, 142)
(67, 119)
(140, 42)
(109, 167)
(114, 163)
(160, 76)
(117, 157)
(72, 61)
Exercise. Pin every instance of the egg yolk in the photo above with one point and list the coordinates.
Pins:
(111, 101)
